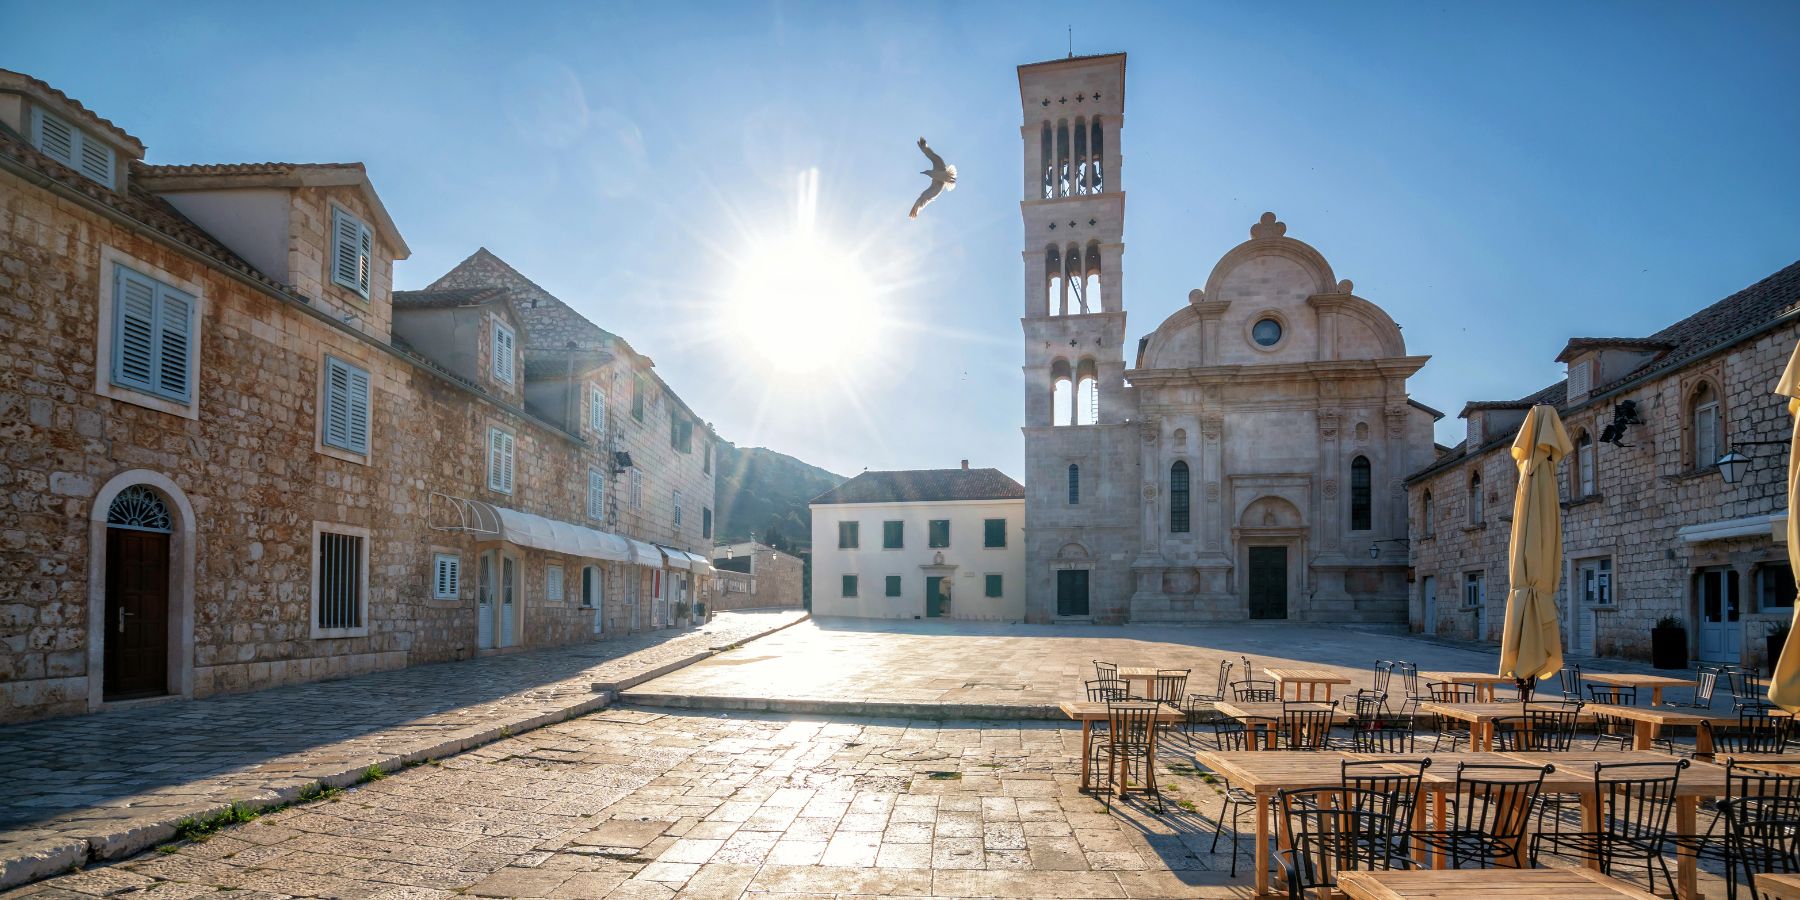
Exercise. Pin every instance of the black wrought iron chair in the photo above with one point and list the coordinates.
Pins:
(1706, 682)
(1747, 689)
(1488, 822)
(1199, 707)
(1634, 800)
(1755, 732)
(1131, 727)
(1384, 673)
(1570, 681)
(1389, 734)
(1612, 694)
(1253, 690)
(1230, 734)
(1306, 725)
(1762, 830)
(1104, 670)
(1537, 729)
(1451, 732)
(1451, 692)
(1102, 690)
(1401, 779)
(1328, 830)
(1613, 732)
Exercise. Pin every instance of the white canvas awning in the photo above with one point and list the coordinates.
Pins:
(675, 559)
(646, 554)
(539, 532)
(1749, 526)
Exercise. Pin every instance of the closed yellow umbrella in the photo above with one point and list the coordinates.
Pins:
(1784, 684)
(1531, 645)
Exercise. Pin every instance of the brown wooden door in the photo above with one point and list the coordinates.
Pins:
(1268, 583)
(137, 614)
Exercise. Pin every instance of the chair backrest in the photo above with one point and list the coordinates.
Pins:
(1409, 677)
(1706, 680)
(1231, 734)
(1747, 689)
(1130, 722)
(1384, 672)
(1755, 732)
(1398, 778)
(1497, 801)
(1170, 685)
(1252, 690)
(1386, 735)
(1570, 678)
(1306, 725)
(1103, 689)
(1105, 669)
(1452, 692)
(1369, 704)
(1537, 728)
(1224, 678)
(1607, 693)
(1635, 799)
(1335, 829)
(1762, 824)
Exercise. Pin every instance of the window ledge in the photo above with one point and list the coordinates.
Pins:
(1583, 501)
(1692, 474)
(1478, 526)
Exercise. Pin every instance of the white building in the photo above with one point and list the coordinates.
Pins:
(921, 544)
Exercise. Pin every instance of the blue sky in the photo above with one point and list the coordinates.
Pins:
(1498, 178)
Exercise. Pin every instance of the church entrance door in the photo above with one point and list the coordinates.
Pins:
(1268, 583)
(1072, 592)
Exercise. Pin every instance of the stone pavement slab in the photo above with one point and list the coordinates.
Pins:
(106, 785)
(947, 668)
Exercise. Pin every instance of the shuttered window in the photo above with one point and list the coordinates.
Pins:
(153, 335)
(596, 505)
(503, 354)
(677, 509)
(596, 409)
(500, 461)
(553, 583)
(446, 576)
(637, 489)
(893, 585)
(340, 580)
(993, 533)
(705, 522)
(346, 413)
(56, 138)
(995, 586)
(352, 251)
(938, 533)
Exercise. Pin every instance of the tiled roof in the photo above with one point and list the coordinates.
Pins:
(1722, 324)
(447, 298)
(256, 168)
(925, 485)
(555, 363)
(20, 80)
(1576, 345)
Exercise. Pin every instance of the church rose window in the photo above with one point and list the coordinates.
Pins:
(1266, 332)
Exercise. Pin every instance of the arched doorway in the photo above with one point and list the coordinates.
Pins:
(140, 590)
(136, 624)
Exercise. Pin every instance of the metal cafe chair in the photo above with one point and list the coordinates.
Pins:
(1105, 669)
(1570, 679)
(1328, 830)
(1306, 725)
(1537, 729)
(1706, 682)
(1102, 690)
(1387, 735)
(1451, 692)
(1612, 695)
(1384, 673)
(1634, 801)
(1766, 809)
(1755, 732)
(1253, 690)
(1232, 735)
(1199, 706)
(1131, 737)
(1489, 819)
(1384, 776)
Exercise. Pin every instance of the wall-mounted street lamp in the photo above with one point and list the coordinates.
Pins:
(1375, 546)
(1733, 464)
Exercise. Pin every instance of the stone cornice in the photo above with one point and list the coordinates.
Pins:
(1401, 366)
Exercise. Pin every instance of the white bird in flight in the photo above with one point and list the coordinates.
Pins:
(943, 178)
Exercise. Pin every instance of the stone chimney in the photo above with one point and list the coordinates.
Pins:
(965, 465)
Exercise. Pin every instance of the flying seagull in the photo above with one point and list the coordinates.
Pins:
(943, 178)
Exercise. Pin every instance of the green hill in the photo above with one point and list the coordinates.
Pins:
(763, 492)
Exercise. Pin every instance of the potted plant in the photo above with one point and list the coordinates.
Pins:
(1669, 644)
(681, 610)
(1776, 639)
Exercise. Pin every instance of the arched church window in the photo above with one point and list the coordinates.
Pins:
(1062, 159)
(140, 509)
(1427, 525)
(1047, 161)
(1074, 484)
(1094, 172)
(1178, 498)
(1091, 292)
(1087, 393)
(1081, 156)
(1062, 394)
(1362, 517)
(1077, 286)
(1053, 275)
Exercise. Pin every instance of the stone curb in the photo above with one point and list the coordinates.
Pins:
(35, 861)
(852, 708)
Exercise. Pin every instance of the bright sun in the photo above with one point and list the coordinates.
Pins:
(803, 304)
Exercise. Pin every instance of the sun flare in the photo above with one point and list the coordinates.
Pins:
(802, 303)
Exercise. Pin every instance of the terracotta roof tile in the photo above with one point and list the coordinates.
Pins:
(925, 485)
(256, 168)
(21, 79)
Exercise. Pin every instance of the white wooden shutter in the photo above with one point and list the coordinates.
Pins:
(174, 356)
(352, 246)
(553, 583)
(69, 145)
(596, 409)
(500, 461)
(503, 353)
(96, 161)
(55, 138)
(446, 579)
(677, 509)
(596, 494)
(134, 330)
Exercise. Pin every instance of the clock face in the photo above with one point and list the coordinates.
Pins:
(1266, 332)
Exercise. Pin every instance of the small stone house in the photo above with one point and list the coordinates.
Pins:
(1651, 526)
(753, 575)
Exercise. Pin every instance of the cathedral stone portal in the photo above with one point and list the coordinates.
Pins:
(1248, 464)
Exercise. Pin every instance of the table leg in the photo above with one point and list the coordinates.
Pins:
(1087, 751)
(1438, 859)
(1686, 883)
(1590, 822)
(1418, 824)
(1642, 734)
(1656, 695)
(1481, 734)
(1703, 745)
(1262, 845)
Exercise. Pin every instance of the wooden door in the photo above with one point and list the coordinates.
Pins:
(1072, 592)
(137, 614)
(1268, 583)
(1428, 597)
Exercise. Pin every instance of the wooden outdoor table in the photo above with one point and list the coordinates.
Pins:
(1262, 718)
(1698, 780)
(1778, 886)
(1483, 682)
(1145, 674)
(1087, 713)
(1648, 722)
(1778, 763)
(1457, 884)
(1311, 679)
(1262, 775)
(1655, 683)
(1481, 716)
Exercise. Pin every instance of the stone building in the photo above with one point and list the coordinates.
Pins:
(236, 458)
(752, 575)
(1651, 528)
(920, 544)
(1249, 464)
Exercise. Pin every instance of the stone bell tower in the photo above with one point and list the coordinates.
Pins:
(1080, 499)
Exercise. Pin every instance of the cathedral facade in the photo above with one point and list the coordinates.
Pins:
(1248, 464)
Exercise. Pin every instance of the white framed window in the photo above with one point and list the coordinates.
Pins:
(596, 409)
(500, 461)
(553, 583)
(1474, 589)
(56, 138)
(153, 335)
(1584, 467)
(1477, 511)
(596, 499)
(446, 576)
(352, 252)
(1594, 578)
(1705, 427)
(637, 489)
(346, 408)
(340, 588)
(677, 509)
(503, 353)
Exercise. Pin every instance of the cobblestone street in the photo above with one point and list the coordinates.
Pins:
(103, 785)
